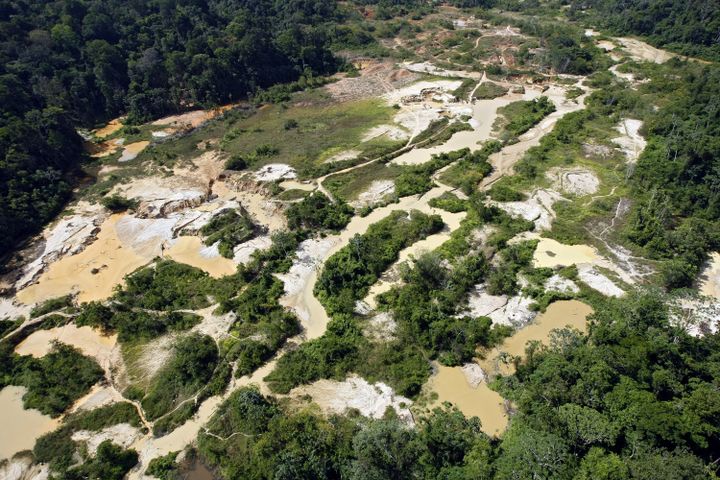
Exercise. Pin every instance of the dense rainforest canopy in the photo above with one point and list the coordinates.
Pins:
(75, 63)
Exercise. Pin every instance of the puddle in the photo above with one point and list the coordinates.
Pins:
(192, 251)
(558, 315)
(133, 150)
(106, 256)
(20, 427)
(198, 471)
(551, 253)
(452, 386)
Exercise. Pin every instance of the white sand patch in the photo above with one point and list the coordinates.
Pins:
(516, 312)
(309, 256)
(122, 434)
(68, 236)
(376, 192)
(698, 316)
(145, 236)
(538, 208)
(630, 141)
(215, 326)
(416, 118)
(275, 171)
(417, 88)
(709, 280)
(473, 374)
(557, 283)
(98, 396)
(624, 75)
(23, 468)
(10, 310)
(381, 327)
(606, 45)
(429, 68)
(597, 281)
(575, 181)
(161, 134)
(244, 251)
(392, 131)
(159, 196)
(372, 400)
(346, 155)
(482, 304)
(643, 52)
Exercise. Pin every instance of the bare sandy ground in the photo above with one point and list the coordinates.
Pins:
(88, 340)
(371, 400)
(122, 434)
(574, 181)
(630, 141)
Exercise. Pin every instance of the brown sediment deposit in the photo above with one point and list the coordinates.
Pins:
(89, 341)
(112, 127)
(92, 273)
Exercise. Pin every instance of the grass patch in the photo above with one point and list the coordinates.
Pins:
(518, 117)
(321, 125)
(349, 185)
(488, 91)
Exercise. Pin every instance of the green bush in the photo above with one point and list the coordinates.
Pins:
(115, 203)
(489, 90)
(318, 212)
(236, 162)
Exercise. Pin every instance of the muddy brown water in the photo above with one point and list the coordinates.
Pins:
(452, 386)
(551, 253)
(93, 273)
(191, 251)
(19, 428)
(561, 314)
